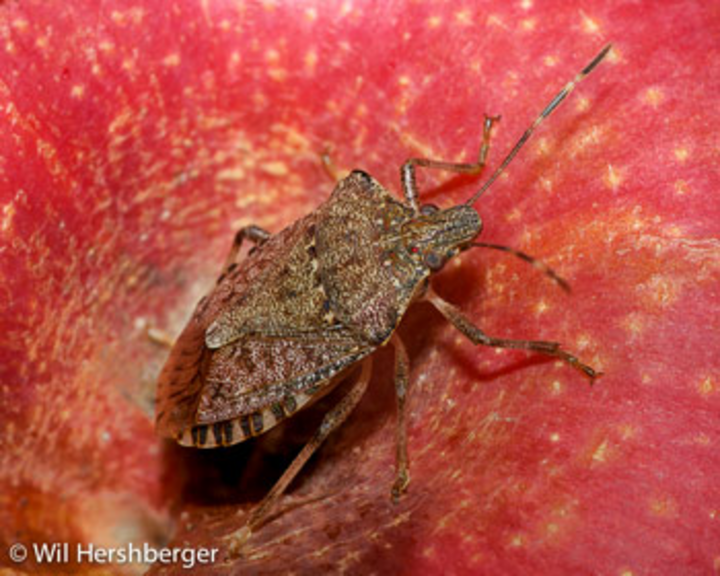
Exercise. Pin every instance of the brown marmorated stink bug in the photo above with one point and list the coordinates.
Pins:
(307, 305)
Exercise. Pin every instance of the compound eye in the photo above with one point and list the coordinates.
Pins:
(427, 209)
(434, 261)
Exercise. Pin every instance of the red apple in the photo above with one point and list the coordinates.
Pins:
(137, 137)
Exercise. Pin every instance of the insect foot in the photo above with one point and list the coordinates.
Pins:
(308, 306)
(236, 541)
(400, 486)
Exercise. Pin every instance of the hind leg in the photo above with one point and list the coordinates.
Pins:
(332, 420)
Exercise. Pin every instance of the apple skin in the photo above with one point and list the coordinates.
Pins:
(137, 137)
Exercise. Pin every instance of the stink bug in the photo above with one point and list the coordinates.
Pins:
(307, 305)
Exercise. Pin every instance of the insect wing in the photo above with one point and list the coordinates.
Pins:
(257, 373)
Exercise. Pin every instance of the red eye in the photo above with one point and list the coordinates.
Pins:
(414, 249)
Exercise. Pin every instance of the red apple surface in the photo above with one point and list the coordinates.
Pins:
(137, 137)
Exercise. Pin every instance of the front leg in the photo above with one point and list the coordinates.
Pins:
(407, 171)
(477, 336)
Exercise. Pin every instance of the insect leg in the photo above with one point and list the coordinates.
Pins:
(407, 171)
(329, 166)
(160, 337)
(402, 476)
(477, 336)
(330, 422)
(253, 233)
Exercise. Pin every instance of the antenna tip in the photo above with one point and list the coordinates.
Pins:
(597, 59)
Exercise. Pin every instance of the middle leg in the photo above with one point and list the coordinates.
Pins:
(402, 365)
(477, 336)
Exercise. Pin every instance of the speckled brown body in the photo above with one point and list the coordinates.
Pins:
(301, 308)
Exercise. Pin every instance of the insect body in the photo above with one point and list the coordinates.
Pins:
(307, 305)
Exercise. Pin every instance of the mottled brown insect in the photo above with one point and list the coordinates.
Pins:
(307, 305)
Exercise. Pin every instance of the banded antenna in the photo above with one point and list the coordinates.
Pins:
(554, 103)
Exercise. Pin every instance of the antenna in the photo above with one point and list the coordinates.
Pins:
(554, 103)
